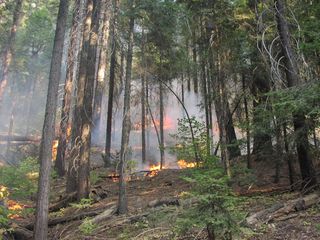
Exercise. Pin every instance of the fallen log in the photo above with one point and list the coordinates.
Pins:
(104, 215)
(283, 209)
(20, 233)
(252, 192)
(164, 201)
(59, 220)
(64, 202)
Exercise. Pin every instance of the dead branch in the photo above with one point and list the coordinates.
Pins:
(283, 209)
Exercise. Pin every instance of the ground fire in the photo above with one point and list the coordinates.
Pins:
(184, 164)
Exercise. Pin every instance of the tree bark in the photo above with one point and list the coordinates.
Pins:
(246, 110)
(101, 72)
(7, 57)
(126, 124)
(66, 103)
(262, 142)
(107, 157)
(143, 99)
(83, 188)
(162, 157)
(76, 141)
(299, 121)
(45, 156)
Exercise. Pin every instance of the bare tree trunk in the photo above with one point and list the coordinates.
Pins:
(162, 157)
(66, 103)
(262, 142)
(10, 131)
(107, 158)
(102, 67)
(288, 158)
(45, 156)
(299, 121)
(143, 99)
(83, 188)
(204, 85)
(7, 57)
(194, 57)
(279, 150)
(76, 141)
(188, 67)
(246, 110)
(126, 124)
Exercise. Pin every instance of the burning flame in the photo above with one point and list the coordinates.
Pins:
(184, 164)
(54, 149)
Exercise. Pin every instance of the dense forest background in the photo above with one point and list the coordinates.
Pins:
(217, 98)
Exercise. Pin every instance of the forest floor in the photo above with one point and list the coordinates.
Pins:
(156, 203)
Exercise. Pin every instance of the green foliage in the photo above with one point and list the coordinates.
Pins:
(84, 203)
(94, 177)
(216, 204)
(87, 227)
(184, 148)
(4, 212)
(20, 180)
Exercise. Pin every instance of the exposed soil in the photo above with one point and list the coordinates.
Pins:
(148, 221)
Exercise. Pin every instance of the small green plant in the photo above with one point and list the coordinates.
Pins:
(87, 227)
(317, 226)
(20, 180)
(84, 203)
(184, 148)
(131, 165)
(94, 177)
(216, 208)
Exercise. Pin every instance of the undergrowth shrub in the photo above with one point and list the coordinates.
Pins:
(216, 205)
(21, 180)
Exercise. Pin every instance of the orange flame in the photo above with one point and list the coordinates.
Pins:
(54, 149)
(16, 207)
(184, 164)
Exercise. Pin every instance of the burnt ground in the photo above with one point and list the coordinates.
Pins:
(146, 220)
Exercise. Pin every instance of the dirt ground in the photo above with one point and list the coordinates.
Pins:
(147, 220)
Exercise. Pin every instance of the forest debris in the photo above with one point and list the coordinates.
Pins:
(63, 202)
(104, 215)
(164, 201)
(21, 233)
(279, 210)
(251, 192)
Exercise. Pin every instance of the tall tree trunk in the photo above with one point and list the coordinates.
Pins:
(102, 67)
(45, 156)
(126, 124)
(162, 157)
(233, 147)
(195, 64)
(10, 131)
(299, 121)
(188, 67)
(83, 188)
(143, 99)
(247, 124)
(204, 85)
(107, 157)
(288, 158)
(66, 103)
(76, 141)
(262, 141)
(7, 57)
